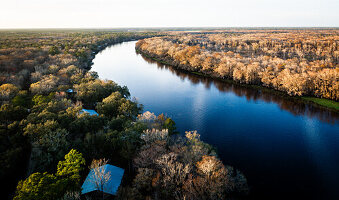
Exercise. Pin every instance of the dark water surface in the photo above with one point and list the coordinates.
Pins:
(285, 148)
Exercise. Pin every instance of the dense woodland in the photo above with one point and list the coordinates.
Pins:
(298, 62)
(48, 143)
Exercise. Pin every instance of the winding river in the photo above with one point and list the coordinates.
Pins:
(285, 148)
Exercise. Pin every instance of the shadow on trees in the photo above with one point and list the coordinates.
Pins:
(293, 105)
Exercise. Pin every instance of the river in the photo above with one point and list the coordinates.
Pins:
(284, 148)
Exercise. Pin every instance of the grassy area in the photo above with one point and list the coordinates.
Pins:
(323, 102)
(198, 73)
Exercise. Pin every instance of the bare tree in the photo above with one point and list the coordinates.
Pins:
(100, 176)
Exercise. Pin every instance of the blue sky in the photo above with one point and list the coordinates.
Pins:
(167, 13)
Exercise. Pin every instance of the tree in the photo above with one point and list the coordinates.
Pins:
(169, 124)
(45, 86)
(8, 91)
(259, 59)
(116, 104)
(150, 136)
(173, 173)
(22, 99)
(38, 186)
(99, 174)
(53, 50)
(110, 105)
(42, 120)
(214, 181)
(95, 91)
(326, 83)
(71, 166)
(41, 99)
(42, 186)
(48, 148)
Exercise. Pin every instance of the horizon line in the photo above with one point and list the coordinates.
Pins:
(178, 27)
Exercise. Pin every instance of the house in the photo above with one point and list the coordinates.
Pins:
(70, 91)
(90, 112)
(109, 187)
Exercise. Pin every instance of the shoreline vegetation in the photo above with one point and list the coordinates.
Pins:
(315, 101)
(210, 55)
(47, 141)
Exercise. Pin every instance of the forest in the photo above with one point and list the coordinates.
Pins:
(48, 142)
(296, 62)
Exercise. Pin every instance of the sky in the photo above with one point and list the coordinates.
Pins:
(168, 13)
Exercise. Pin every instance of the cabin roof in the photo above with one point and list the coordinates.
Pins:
(70, 90)
(90, 112)
(110, 187)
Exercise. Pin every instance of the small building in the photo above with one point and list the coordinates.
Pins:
(90, 112)
(110, 187)
(70, 91)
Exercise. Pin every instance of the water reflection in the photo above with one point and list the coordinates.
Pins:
(322, 157)
(290, 104)
(282, 145)
(198, 108)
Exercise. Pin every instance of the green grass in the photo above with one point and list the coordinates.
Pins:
(323, 102)
(198, 73)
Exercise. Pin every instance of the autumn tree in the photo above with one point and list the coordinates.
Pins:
(99, 175)
(8, 91)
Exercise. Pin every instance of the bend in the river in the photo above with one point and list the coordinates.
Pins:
(283, 147)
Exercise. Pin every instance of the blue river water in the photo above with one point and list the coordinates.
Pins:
(286, 149)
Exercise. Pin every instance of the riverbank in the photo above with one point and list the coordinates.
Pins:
(264, 135)
(101, 45)
(318, 102)
(239, 190)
